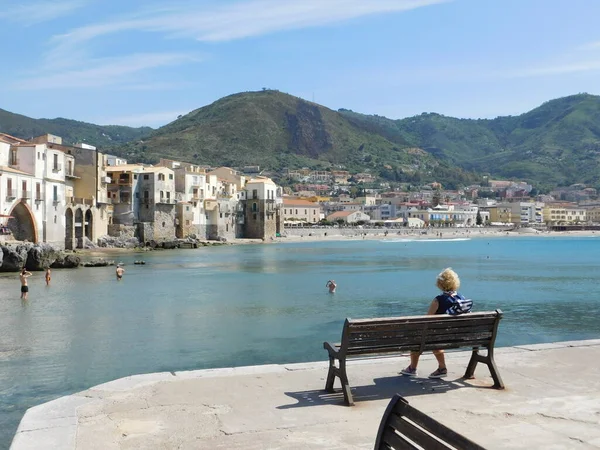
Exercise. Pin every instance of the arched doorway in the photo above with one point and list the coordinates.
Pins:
(22, 223)
(89, 225)
(79, 227)
(70, 229)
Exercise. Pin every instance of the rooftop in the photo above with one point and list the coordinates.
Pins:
(551, 400)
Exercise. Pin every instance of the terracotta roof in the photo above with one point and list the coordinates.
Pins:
(11, 139)
(340, 214)
(11, 170)
(299, 202)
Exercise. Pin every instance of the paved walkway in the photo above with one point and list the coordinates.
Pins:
(552, 401)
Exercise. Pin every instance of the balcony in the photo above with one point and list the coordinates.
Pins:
(125, 182)
(71, 174)
(38, 197)
(56, 168)
(11, 193)
(167, 201)
(25, 195)
(80, 201)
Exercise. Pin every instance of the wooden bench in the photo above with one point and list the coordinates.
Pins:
(398, 335)
(404, 427)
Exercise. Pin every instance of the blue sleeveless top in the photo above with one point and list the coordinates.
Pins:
(445, 301)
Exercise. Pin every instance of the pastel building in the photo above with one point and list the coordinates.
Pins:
(298, 210)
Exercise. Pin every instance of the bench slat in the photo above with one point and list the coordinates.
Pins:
(422, 318)
(434, 427)
(404, 340)
(416, 334)
(414, 347)
(418, 436)
(454, 322)
(395, 442)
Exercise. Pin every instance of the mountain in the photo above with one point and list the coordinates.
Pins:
(71, 131)
(277, 130)
(557, 143)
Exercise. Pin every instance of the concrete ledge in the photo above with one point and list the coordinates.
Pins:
(284, 405)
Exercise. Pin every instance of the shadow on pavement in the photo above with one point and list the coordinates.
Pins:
(384, 388)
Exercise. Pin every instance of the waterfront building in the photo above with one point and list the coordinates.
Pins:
(298, 210)
(348, 217)
(156, 202)
(526, 213)
(123, 192)
(500, 214)
(262, 200)
(561, 214)
(384, 211)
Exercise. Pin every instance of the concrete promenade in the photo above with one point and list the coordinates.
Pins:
(552, 401)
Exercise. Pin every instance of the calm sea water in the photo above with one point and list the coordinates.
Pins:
(242, 305)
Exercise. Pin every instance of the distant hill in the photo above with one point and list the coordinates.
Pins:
(277, 130)
(557, 143)
(71, 131)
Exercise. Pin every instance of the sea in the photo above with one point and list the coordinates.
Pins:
(262, 304)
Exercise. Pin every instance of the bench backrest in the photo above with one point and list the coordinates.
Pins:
(404, 427)
(419, 333)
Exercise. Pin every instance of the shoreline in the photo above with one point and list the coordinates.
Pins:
(345, 234)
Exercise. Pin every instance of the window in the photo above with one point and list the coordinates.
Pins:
(39, 156)
(254, 193)
(9, 191)
(161, 177)
(220, 215)
(168, 195)
(38, 191)
(55, 163)
(135, 176)
(163, 224)
(146, 195)
(170, 176)
(146, 177)
(187, 208)
(306, 211)
(296, 212)
(54, 219)
(254, 207)
(24, 187)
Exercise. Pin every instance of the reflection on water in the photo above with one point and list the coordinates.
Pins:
(244, 305)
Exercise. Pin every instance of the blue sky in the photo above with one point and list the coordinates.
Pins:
(140, 62)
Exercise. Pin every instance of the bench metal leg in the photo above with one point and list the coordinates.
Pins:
(345, 384)
(488, 360)
(330, 375)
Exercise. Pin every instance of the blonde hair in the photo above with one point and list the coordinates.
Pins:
(448, 280)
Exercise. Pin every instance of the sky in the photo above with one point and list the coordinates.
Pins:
(143, 63)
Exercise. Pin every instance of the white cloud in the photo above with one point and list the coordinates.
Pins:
(143, 119)
(41, 11)
(106, 71)
(234, 20)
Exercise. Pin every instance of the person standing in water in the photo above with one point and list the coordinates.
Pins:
(48, 276)
(120, 272)
(24, 287)
(331, 285)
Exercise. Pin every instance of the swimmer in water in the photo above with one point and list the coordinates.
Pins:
(331, 285)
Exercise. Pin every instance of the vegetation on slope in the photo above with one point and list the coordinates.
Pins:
(71, 131)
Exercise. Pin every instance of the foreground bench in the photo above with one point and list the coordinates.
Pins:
(398, 335)
(404, 427)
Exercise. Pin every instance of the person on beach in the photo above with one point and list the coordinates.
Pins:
(331, 285)
(120, 271)
(48, 276)
(448, 302)
(24, 287)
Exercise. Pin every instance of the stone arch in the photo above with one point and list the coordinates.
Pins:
(79, 225)
(22, 223)
(89, 225)
(69, 230)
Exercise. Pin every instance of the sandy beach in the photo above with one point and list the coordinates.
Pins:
(345, 234)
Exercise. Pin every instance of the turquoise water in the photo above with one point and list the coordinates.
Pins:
(259, 304)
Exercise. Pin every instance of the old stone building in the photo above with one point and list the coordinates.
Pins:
(262, 201)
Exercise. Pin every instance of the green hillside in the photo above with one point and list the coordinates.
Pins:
(277, 130)
(71, 131)
(557, 143)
